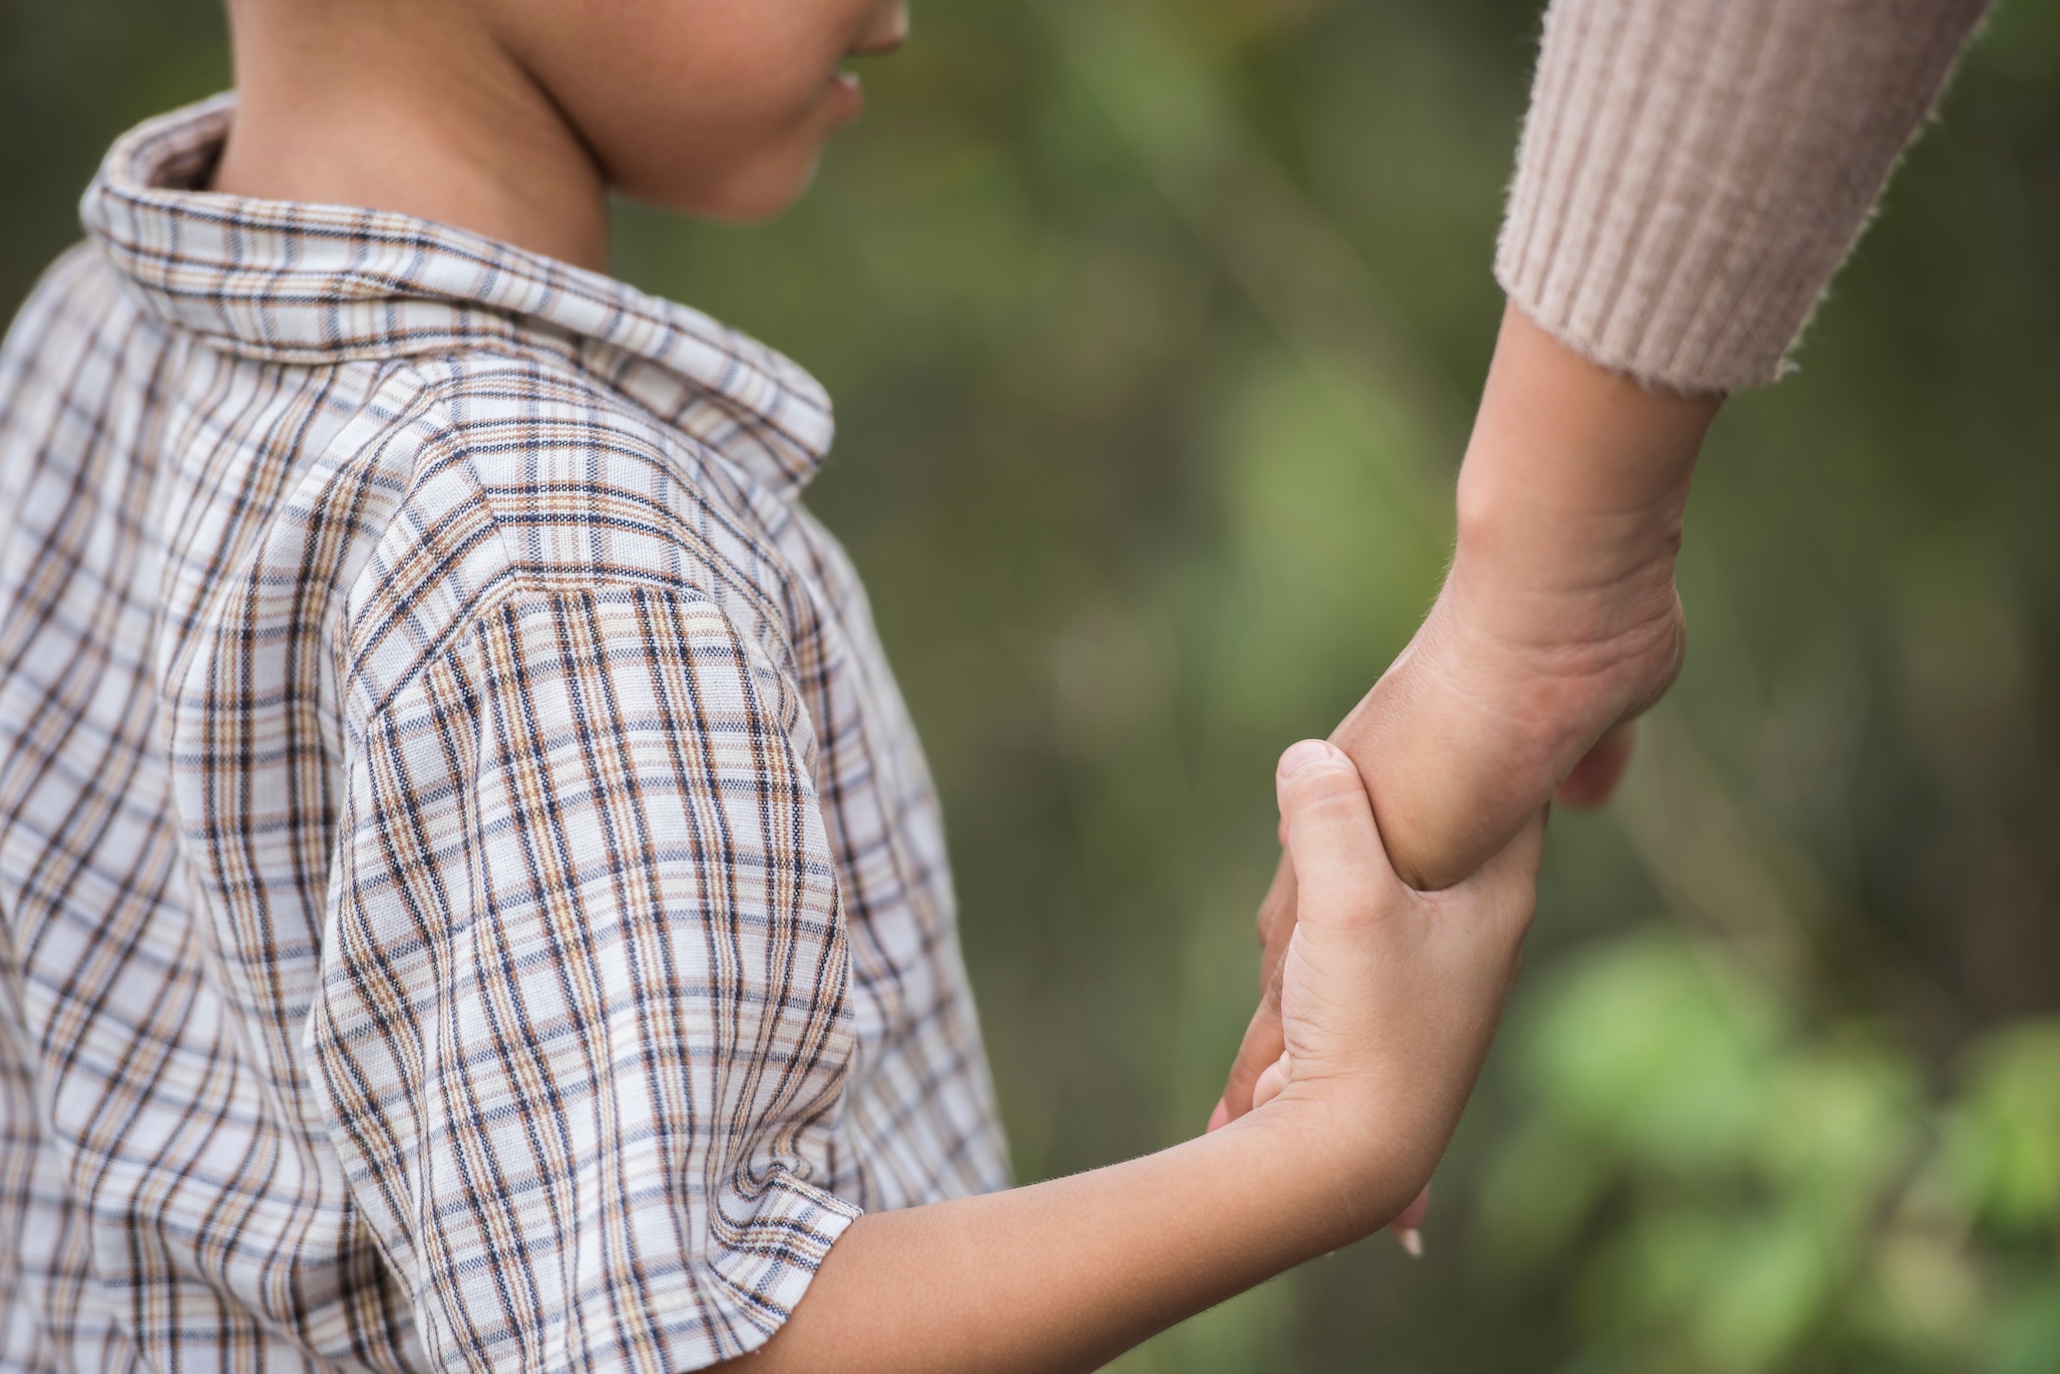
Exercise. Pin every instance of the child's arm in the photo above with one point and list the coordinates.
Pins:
(1390, 1001)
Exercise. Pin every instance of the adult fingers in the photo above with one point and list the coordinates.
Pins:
(1408, 1226)
(1508, 883)
(1341, 870)
(1595, 778)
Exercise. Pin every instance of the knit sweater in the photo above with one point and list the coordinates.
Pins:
(1693, 171)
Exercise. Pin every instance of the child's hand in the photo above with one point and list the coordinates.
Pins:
(1387, 997)
(1276, 1077)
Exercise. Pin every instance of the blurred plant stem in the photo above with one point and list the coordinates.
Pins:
(1298, 270)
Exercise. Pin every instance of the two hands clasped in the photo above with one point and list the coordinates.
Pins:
(1368, 981)
(1558, 623)
(1387, 1002)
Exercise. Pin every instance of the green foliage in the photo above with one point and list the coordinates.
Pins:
(1738, 1190)
(1154, 327)
(2004, 1139)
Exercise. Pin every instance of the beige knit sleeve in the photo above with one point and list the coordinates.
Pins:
(1693, 171)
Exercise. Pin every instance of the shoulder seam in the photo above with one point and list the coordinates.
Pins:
(431, 406)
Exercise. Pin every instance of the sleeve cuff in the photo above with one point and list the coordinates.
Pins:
(1693, 171)
(770, 1247)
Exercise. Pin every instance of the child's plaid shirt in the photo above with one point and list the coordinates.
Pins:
(471, 892)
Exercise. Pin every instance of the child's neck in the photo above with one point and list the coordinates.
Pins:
(342, 105)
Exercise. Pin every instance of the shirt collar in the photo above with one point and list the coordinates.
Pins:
(321, 284)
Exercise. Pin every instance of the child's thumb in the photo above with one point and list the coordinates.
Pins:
(1341, 870)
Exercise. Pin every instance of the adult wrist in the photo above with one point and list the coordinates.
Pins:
(1571, 498)
(1568, 458)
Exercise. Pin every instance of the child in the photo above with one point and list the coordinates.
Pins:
(471, 892)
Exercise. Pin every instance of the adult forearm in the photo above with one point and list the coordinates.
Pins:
(1575, 482)
(1691, 173)
(1067, 1274)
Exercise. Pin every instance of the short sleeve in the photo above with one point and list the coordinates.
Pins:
(582, 1022)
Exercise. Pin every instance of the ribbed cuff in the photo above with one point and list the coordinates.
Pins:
(1693, 171)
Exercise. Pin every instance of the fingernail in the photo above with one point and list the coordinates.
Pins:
(1412, 1241)
(1300, 755)
(1219, 1118)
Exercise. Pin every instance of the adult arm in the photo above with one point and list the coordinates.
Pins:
(1691, 173)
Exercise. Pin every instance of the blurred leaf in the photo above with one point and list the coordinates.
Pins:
(1656, 1051)
(2004, 1137)
(1538, 1195)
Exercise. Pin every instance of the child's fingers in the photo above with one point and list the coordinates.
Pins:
(1273, 1080)
(1341, 870)
(1276, 925)
(1516, 867)
(1263, 1039)
(1263, 1043)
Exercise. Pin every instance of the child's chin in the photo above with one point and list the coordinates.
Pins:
(754, 196)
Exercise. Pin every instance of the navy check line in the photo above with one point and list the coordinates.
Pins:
(469, 892)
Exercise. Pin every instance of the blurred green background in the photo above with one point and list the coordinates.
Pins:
(1155, 327)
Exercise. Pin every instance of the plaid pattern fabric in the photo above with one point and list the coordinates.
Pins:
(472, 895)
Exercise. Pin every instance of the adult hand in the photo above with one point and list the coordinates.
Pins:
(1558, 622)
